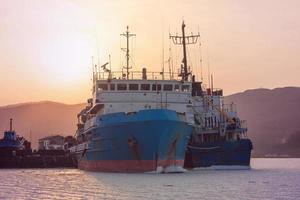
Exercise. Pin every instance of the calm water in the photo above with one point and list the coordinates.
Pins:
(268, 179)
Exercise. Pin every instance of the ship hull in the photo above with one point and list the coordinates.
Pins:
(145, 141)
(225, 153)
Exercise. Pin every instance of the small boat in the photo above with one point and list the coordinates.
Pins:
(11, 142)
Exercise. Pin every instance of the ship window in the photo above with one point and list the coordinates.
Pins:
(156, 87)
(145, 86)
(168, 87)
(112, 86)
(102, 87)
(121, 86)
(133, 86)
(185, 88)
(176, 88)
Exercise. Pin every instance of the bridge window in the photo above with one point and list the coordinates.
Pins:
(112, 86)
(121, 86)
(185, 88)
(133, 86)
(145, 86)
(168, 87)
(102, 87)
(176, 88)
(156, 87)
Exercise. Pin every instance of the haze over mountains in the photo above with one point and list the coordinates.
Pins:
(273, 118)
(41, 119)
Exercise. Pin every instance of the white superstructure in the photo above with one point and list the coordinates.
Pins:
(112, 95)
(122, 95)
(131, 91)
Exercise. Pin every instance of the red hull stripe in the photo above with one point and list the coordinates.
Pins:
(126, 165)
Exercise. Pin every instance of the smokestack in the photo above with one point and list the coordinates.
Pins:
(144, 74)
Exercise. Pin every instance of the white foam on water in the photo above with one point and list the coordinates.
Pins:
(174, 169)
(169, 169)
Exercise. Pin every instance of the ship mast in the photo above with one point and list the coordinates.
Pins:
(184, 40)
(10, 125)
(127, 34)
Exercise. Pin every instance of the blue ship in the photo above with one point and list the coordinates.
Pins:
(144, 141)
(222, 153)
(139, 122)
(135, 121)
(10, 142)
(219, 138)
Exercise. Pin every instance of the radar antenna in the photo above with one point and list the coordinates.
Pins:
(184, 40)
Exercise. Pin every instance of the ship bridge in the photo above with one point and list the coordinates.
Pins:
(118, 94)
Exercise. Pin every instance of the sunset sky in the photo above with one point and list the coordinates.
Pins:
(46, 46)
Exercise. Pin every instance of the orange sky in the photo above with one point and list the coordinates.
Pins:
(46, 46)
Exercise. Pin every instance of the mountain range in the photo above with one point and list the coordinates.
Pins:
(40, 119)
(273, 119)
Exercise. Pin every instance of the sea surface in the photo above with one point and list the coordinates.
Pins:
(268, 179)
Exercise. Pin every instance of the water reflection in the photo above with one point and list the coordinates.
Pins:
(269, 179)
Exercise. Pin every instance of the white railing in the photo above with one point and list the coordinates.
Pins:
(229, 107)
(243, 123)
(212, 91)
(136, 75)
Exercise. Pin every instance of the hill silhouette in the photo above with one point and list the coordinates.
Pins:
(273, 119)
(41, 119)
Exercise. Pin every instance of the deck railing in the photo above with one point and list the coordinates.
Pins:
(136, 75)
(243, 123)
(229, 107)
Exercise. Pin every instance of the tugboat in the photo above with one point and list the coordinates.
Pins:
(136, 121)
(11, 143)
(219, 139)
(16, 152)
(219, 136)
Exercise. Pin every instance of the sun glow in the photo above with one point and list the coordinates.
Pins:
(47, 46)
(68, 59)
